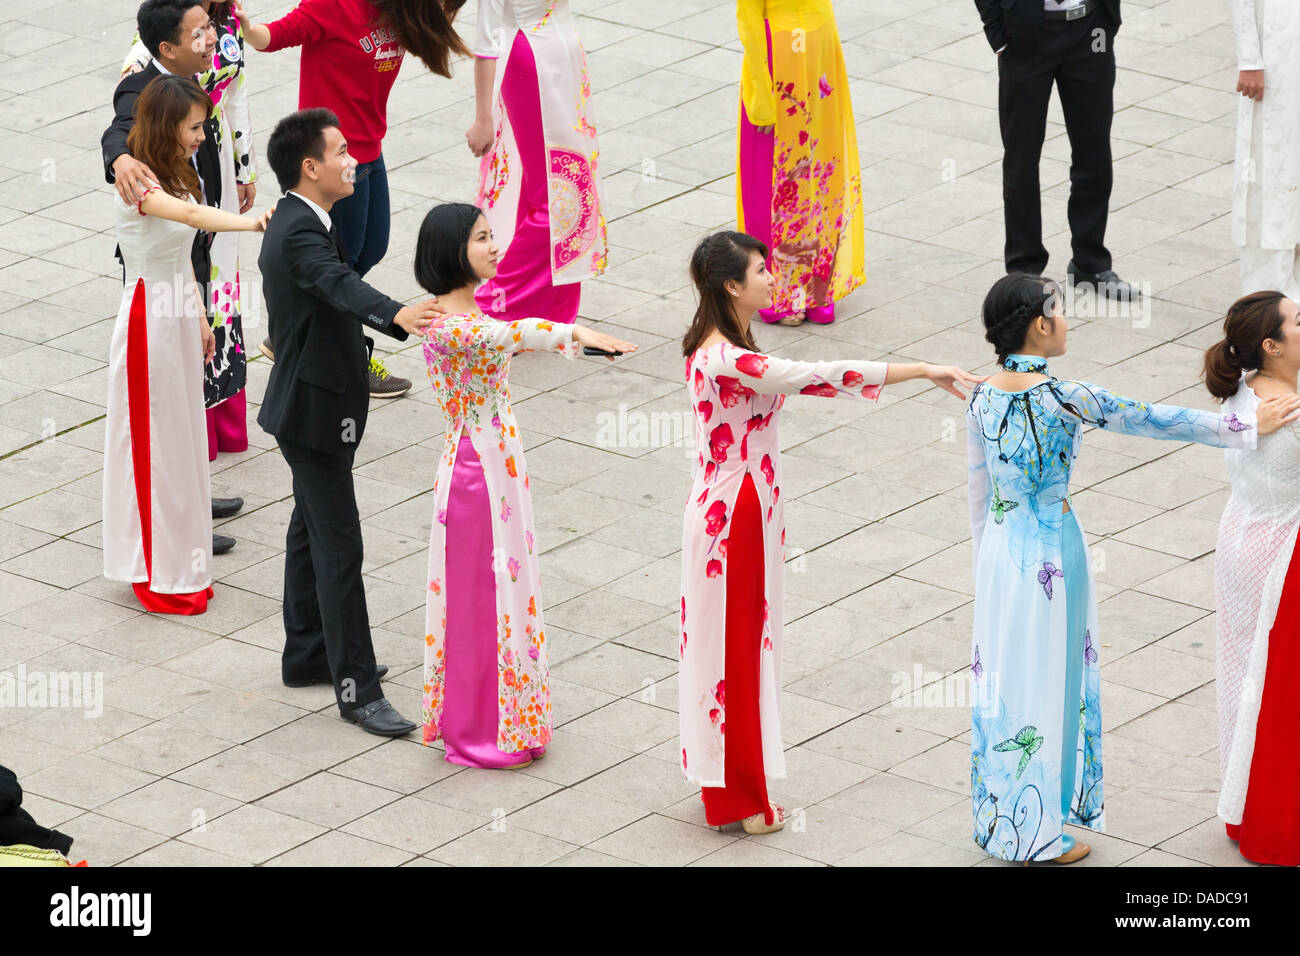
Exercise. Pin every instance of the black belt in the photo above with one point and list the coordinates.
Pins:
(1074, 13)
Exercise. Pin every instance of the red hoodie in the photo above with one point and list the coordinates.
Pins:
(349, 64)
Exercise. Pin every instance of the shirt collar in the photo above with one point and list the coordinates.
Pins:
(157, 64)
(320, 213)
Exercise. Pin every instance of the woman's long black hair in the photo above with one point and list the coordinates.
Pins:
(718, 258)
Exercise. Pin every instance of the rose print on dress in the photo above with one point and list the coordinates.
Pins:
(731, 391)
(726, 377)
(718, 715)
(720, 440)
(715, 519)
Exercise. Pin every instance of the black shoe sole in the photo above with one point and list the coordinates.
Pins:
(383, 733)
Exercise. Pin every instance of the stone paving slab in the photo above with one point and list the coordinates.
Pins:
(198, 756)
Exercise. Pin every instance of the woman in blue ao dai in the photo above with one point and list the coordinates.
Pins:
(1036, 715)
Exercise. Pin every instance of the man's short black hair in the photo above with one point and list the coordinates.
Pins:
(296, 137)
(159, 22)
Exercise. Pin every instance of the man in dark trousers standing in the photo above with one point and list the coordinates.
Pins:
(1069, 43)
(180, 38)
(315, 405)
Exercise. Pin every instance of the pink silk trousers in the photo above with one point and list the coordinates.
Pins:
(228, 425)
(469, 715)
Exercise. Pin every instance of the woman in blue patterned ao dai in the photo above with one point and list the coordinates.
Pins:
(1036, 734)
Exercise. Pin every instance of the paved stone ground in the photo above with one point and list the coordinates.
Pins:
(196, 727)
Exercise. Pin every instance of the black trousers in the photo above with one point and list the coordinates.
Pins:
(17, 825)
(326, 626)
(1079, 57)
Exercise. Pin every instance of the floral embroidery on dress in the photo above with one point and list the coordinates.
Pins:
(583, 125)
(468, 359)
(494, 168)
(575, 219)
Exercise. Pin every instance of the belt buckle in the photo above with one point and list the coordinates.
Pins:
(1074, 13)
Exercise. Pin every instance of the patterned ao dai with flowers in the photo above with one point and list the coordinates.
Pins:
(468, 358)
(226, 85)
(806, 203)
(1035, 669)
(737, 396)
(577, 219)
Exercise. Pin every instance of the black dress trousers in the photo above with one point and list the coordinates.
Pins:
(326, 625)
(1079, 57)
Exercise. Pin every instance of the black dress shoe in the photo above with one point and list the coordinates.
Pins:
(221, 543)
(1106, 284)
(380, 671)
(380, 718)
(225, 507)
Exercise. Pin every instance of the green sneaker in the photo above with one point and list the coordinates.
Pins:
(384, 384)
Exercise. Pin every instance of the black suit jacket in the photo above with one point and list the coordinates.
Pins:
(208, 160)
(1019, 22)
(319, 390)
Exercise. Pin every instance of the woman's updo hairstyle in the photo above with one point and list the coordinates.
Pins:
(1250, 320)
(1012, 305)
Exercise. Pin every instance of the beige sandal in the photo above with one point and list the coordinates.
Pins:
(1078, 853)
(518, 766)
(757, 823)
(795, 318)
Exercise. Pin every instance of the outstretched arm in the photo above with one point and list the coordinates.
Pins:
(540, 335)
(315, 266)
(745, 373)
(754, 372)
(207, 218)
(1094, 405)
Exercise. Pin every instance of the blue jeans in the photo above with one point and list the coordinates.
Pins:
(363, 218)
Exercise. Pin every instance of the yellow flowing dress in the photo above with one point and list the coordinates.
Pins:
(809, 209)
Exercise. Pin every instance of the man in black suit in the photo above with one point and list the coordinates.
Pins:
(180, 37)
(1071, 43)
(315, 405)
